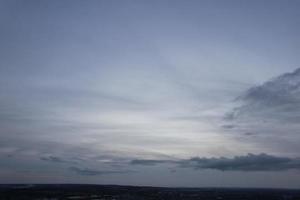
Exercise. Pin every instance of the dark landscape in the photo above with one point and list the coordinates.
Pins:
(113, 192)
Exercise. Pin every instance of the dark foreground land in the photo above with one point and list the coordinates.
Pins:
(108, 192)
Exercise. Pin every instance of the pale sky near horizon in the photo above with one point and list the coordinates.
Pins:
(163, 93)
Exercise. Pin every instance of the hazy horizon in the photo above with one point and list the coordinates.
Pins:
(199, 93)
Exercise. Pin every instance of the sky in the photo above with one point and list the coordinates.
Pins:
(198, 93)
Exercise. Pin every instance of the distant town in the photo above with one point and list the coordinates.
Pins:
(112, 192)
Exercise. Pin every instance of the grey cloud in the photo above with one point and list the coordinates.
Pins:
(149, 162)
(228, 126)
(277, 99)
(55, 159)
(249, 133)
(271, 113)
(92, 172)
(249, 162)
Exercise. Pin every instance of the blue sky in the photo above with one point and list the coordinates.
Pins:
(167, 93)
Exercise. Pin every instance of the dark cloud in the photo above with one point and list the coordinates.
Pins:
(55, 159)
(228, 126)
(149, 162)
(249, 162)
(277, 99)
(249, 133)
(271, 113)
(92, 172)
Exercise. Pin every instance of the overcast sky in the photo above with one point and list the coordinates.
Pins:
(163, 93)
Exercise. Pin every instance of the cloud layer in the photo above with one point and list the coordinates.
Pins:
(249, 162)
(93, 172)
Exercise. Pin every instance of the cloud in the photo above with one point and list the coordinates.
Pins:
(271, 113)
(92, 172)
(55, 159)
(249, 162)
(277, 99)
(228, 126)
(149, 162)
(249, 134)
